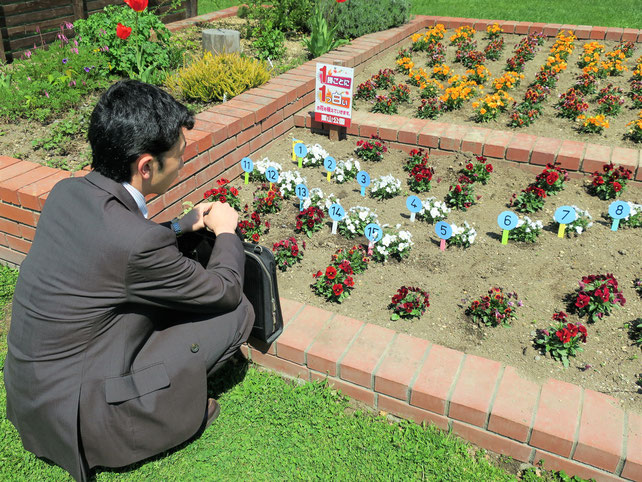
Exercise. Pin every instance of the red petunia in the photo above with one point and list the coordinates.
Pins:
(223, 199)
(489, 167)
(337, 289)
(137, 5)
(331, 272)
(551, 178)
(234, 191)
(469, 166)
(295, 251)
(582, 300)
(122, 31)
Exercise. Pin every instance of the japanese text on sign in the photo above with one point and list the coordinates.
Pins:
(333, 94)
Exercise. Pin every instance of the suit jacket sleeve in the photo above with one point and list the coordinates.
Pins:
(158, 274)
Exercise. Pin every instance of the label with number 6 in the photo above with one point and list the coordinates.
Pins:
(507, 220)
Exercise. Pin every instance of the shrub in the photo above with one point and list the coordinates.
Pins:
(288, 16)
(409, 302)
(209, 78)
(269, 41)
(358, 17)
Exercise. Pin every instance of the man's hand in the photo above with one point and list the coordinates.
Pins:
(193, 220)
(221, 218)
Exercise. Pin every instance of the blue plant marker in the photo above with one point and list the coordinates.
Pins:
(272, 175)
(564, 215)
(300, 151)
(444, 231)
(248, 166)
(618, 210)
(337, 213)
(373, 232)
(302, 193)
(330, 163)
(363, 178)
(413, 203)
(507, 220)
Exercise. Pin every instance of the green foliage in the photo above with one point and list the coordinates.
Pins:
(288, 16)
(8, 278)
(62, 131)
(321, 38)
(269, 41)
(355, 18)
(157, 55)
(209, 78)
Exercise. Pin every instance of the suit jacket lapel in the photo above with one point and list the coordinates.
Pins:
(114, 188)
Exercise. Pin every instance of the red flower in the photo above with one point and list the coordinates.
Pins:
(255, 237)
(222, 199)
(295, 251)
(489, 167)
(234, 191)
(122, 31)
(331, 272)
(349, 282)
(582, 300)
(137, 5)
(457, 188)
(469, 166)
(551, 178)
(617, 186)
(318, 274)
(337, 289)
(564, 335)
(340, 1)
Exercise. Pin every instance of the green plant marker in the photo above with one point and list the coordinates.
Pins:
(247, 177)
(507, 220)
(505, 236)
(299, 151)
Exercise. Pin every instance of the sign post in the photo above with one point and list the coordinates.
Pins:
(333, 97)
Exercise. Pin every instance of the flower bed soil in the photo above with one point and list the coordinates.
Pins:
(548, 124)
(543, 274)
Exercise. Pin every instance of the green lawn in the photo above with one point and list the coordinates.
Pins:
(616, 13)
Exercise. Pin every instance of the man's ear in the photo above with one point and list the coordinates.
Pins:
(142, 166)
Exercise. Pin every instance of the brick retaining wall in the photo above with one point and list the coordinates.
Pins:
(574, 429)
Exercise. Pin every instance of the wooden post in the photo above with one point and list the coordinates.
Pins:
(79, 9)
(191, 8)
(3, 57)
(336, 133)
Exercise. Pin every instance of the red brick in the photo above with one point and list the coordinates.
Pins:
(282, 127)
(452, 137)
(368, 128)
(554, 462)
(436, 379)
(272, 120)
(288, 90)
(233, 124)
(248, 134)
(358, 364)
(399, 365)
(18, 244)
(203, 139)
(403, 410)
(514, 406)
(390, 126)
(29, 195)
(473, 140)
(331, 342)
(191, 150)
(583, 31)
(509, 26)
(595, 157)
(261, 140)
(179, 191)
(571, 154)
(614, 33)
(630, 35)
(299, 119)
(431, 133)
(409, 132)
(299, 334)
(551, 29)
(16, 214)
(17, 169)
(633, 466)
(519, 148)
(279, 98)
(481, 24)
(261, 111)
(470, 401)
(27, 232)
(221, 149)
(10, 227)
(557, 417)
(496, 144)
(210, 172)
(308, 82)
(522, 28)
(348, 389)
(9, 188)
(536, 27)
(491, 441)
(280, 365)
(545, 150)
(300, 87)
(601, 431)
(598, 33)
(6, 161)
(625, 157)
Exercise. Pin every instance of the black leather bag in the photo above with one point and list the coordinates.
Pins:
(260, 287)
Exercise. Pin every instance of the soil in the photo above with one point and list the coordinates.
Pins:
(548, 124)
(543, 274)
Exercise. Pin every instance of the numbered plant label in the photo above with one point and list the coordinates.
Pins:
(373, 232)
(301, 191)
(363, 178)
(300, 149)
(272, 175)
(443, 230)
(619, 209)
(507, 220)
(336, 212)
(330, 164)
(413, 203)
(247, 165)
(565, 214)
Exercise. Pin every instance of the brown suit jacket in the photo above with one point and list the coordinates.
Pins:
(98, 280)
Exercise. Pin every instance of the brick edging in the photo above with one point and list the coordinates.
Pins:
(366, 360)
(577, 430)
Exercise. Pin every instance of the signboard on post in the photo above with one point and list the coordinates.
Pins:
(333, 94)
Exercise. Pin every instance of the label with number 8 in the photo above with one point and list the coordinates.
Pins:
(619, 209)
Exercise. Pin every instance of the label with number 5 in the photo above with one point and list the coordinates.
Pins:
(443, 230)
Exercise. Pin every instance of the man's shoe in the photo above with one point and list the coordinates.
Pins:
(213, 410)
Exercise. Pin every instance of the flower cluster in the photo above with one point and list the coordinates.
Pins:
(317, 199)
(582, 222)
(636, 94)
(459, 92)
(571, 104)
(435, 53)
(461, 195)
(564, 44)
(634, 219)
(417, 156)
(400, 93)
(315, 156)
(258, 173)
(385, 105)
(384, 79)
(430, 88)
(309, 221)
(507, 81)
(462, 35)
(366, 90)
(611, 182)
(409, 302)
(224, 194)
(478, 74)
(635, 131)
(433, 210)
(419, 178)
(610, 100)
(287, 253)
(562, 340)
(404, 65)
(550, 181)
(597, 296)
(253, 228)
(385, 187)
(496, 308)
(613, 64)
(462, 236)
(586, 83)
(524, 51)
(471, 59)
(430, 108)
(346, 170)
(593, 124)
(356, 256)
(336, 283)
(396, 245)
(417, 77)
(478, 170)
(526, 231)
(441, 72)
(288, 181)
(491, 106)
(355, 221)
(494, 31)
(371, 150)
(591, 55)
(267, 199)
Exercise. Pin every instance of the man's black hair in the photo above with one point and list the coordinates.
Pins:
(133, 118)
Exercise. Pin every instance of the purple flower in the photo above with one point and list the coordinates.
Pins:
(519, 303)
(65, 60)
(87, 69)
(72, 83)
